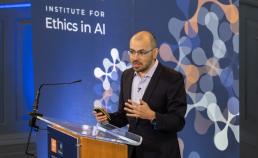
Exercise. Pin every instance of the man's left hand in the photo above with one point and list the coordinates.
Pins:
(137, 110)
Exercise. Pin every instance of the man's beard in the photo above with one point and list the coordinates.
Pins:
(142, 67)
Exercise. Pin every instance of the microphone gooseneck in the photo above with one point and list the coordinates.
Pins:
(34, 114)
(36, 102)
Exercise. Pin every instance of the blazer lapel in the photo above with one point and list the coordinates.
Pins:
(153, 83)
(128, 85)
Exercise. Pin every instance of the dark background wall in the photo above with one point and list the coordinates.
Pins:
(248, 76)
(16, 79)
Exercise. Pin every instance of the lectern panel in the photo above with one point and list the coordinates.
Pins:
(61, 145)
(92, 148)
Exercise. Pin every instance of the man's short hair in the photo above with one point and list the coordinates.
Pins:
(152, 37)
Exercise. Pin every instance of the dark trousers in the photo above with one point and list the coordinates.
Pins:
(136, 153)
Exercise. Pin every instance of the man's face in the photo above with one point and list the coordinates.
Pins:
(142, 62)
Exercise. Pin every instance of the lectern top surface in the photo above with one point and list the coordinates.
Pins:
(103, 132)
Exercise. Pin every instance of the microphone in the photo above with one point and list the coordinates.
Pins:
(36, 102)
(34, 114)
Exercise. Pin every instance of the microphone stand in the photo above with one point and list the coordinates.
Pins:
(34, 114)
(32, 122)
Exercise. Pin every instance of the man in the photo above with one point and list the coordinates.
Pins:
(152, 101)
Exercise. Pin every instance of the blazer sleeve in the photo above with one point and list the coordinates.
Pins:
(119, 118)
(173, 120)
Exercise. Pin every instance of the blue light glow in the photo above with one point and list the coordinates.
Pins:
(27, 69)
(20, 5)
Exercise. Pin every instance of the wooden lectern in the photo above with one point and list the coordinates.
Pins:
(70, 140)
(86, 147)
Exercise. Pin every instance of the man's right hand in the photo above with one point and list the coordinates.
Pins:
(100, 117)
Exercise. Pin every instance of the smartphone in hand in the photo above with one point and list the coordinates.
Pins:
(100, 109)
